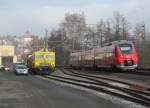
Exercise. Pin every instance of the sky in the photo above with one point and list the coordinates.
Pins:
(18, 16)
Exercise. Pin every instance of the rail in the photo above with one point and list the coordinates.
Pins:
(101, 84)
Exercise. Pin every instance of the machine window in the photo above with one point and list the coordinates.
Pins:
(126, 48)
(50, 57)
(39, 57)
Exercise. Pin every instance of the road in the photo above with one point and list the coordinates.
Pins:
(32, 92)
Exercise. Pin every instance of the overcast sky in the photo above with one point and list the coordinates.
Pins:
(17, 16)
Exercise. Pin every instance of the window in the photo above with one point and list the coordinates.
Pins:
(50, 57)
(126, 48)
(39, 57)
(21, 67)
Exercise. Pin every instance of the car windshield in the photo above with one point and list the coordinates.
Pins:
(126, 48)
(21, 67)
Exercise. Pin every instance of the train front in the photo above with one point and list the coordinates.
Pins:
(45, 62)
(126, 56)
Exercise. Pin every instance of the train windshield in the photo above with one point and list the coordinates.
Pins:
(39, 57)
(50, 57)
(126, 48)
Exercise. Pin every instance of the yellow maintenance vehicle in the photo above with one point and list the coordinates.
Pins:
(41, 62)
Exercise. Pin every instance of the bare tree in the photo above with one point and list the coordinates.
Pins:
(101, 26)
(74, 26)
(108, 32)
(120, 26)
(138, 31)
(89, 38)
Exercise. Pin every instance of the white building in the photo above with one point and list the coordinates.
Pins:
(7, 55)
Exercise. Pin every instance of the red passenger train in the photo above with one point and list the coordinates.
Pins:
(118, 54)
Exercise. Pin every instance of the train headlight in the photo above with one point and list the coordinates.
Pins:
(37, 64)
(52, 64)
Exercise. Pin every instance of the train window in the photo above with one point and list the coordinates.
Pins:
(126, 48)
(99, 56)
(89, 57)
(80, 58)
(39, 57)
(50, 56)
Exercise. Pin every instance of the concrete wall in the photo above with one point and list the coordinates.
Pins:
(7, 51)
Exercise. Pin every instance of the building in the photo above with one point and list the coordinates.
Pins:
(27, 38)
(7, 55)
(6, 40)
(22, 45)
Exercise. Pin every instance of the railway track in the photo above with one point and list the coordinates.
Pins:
(142, 71)
(79, 72)
(139, 71)
(101, 85)
(112, 82)
(136, 71)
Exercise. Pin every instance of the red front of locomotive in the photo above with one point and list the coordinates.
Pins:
(126, 56)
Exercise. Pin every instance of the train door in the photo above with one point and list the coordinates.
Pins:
(81, 59)
(109, 55)
(106, 56)
(98, 57)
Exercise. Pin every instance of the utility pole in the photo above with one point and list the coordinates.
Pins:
(101, 35)
(143, 44)
(46, 40)
(144, 33)
(123, 32)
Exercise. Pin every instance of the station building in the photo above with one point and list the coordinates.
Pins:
(7, 55)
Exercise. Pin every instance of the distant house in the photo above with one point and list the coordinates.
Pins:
(27, 38)
(22, 44)
(6, 40)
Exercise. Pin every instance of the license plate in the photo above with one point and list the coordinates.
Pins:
(129, 62)
(44, 64)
